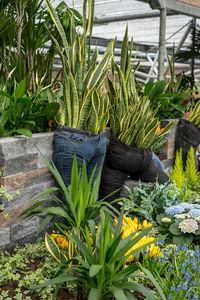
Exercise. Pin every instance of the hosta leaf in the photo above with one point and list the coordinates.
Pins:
(174, 229)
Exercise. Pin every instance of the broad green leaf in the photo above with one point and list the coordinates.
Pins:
(23, 131)
(174, 229)
(118, 293)
(94, 294)
(94, 270)
(20, 89)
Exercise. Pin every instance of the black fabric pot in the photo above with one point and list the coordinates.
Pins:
(188, 134)
(151, 174)
(111, 180)
(126, 158)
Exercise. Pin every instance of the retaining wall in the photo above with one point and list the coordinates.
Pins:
(24, 172)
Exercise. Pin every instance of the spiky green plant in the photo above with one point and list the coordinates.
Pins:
(191, 170)
(84, 107)
(131, 118)
(178, 173)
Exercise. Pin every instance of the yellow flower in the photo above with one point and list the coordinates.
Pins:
(131, 226)
(61, 240)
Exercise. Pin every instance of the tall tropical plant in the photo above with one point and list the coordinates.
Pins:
(83, 106)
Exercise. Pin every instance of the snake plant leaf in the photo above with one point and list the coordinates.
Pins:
(102, 78)
(59, 26)
(94, 57)
(96, 107)
(85, 110)
(167, 128)
(130, 52)
(124, 52)
(79, 81)
(66, 114)
(74, 100)
(86, 79)
(74, 54)
(96, 74)
(150, 135)
(52, 247)
(111, 91)
(124, 95)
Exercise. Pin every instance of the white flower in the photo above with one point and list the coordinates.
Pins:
(188, 226)
(197, 219)
(181, 216)
(166, 220)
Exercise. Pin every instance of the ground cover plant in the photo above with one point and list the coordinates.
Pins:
(23, 267)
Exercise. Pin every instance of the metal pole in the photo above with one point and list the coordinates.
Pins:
(162, 33)
(182, 41)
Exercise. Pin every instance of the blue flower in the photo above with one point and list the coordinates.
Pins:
(172, 288)
(185, 248)
(187, 205)
(197, 206)
(185, 286)
(195, 282)
(173, 210)
(194, 213)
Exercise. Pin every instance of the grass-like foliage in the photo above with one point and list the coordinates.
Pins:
(79, 200)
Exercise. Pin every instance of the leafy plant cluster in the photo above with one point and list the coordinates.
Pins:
(167, 104)
(148, 200)
(17, 267)
(23, 112)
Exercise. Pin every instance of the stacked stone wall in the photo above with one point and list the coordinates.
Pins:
(24, 175)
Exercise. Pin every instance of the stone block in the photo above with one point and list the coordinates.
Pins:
(24, 180)
(11, 147)
(23, 229)
(41, 142)
(24, 197)
(48, 156)
(13, 216)
(168, 149)
(4, 237)
(20, 164)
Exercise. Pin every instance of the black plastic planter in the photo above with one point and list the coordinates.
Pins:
(187, 135)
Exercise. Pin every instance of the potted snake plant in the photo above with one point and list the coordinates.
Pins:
(84, 109)
(134, 127)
